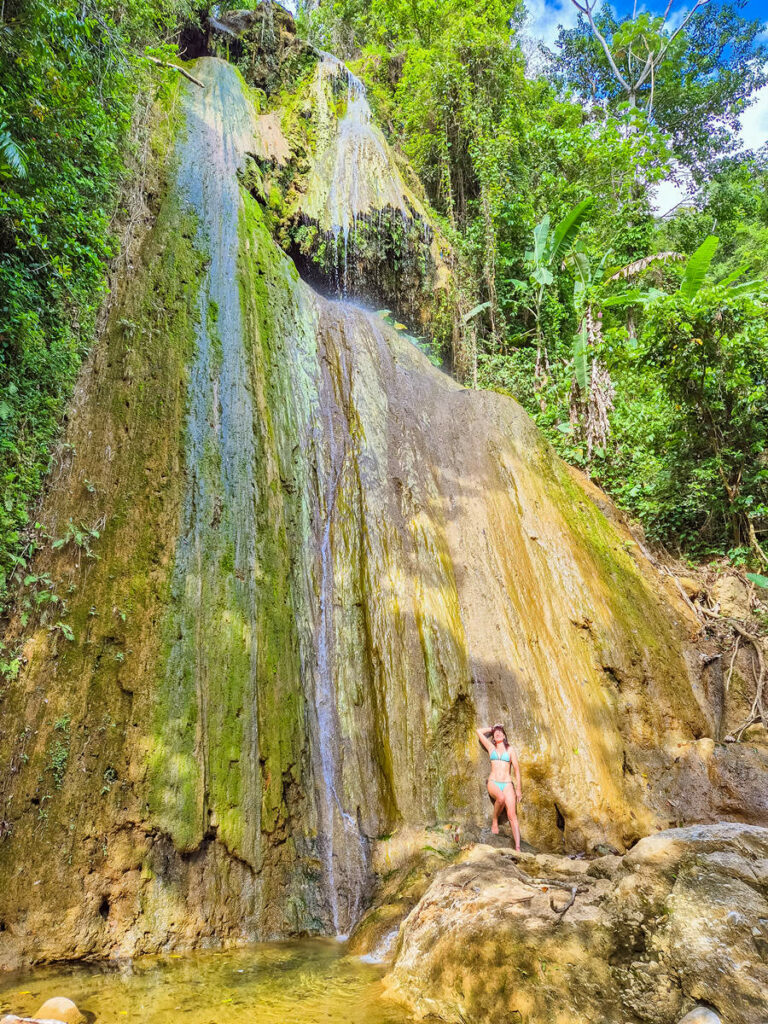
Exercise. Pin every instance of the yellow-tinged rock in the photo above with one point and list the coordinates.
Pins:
(60, 1008)
(732, 594)
(691, 586)
(488, 938)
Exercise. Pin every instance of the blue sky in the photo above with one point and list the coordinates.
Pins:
(545, 16)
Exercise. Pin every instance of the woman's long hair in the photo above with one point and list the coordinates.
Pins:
(500, 726)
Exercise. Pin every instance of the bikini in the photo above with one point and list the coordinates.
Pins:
(495, 756)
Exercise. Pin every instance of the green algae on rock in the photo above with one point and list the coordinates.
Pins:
(320, 564)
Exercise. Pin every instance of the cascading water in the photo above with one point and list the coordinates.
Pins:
(331, 809)
(356, 182)
(218, 521)
(323, 562)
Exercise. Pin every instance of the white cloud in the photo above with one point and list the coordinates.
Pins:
(666, 195)
(676, 19)
(544, 19)
(754, 121)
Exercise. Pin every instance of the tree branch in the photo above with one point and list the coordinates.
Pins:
(587, 9)
(680, 27)
(174, 67)
(561, 911)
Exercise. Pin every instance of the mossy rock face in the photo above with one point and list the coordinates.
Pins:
(300, 566)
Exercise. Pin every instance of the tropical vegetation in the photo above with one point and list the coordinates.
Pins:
(636, 337)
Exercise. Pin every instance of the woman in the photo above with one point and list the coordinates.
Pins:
(503, 793)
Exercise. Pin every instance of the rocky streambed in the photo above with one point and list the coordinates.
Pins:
(674, 931)
(678, 925)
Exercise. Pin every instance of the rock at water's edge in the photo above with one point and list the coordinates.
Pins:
(681, 920)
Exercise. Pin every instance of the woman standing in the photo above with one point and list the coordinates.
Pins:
(500, 787)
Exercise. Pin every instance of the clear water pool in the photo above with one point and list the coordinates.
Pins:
(306, 982)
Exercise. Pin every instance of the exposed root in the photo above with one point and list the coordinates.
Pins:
(758, 712)
(562, 911)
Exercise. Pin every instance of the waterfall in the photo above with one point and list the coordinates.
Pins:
(322, 560)
(344, 849)
(355, 179)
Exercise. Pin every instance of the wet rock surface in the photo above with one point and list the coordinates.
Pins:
(57, 1010)
(674, 929)
(322, 564)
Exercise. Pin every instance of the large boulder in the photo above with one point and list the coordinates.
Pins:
(57, 1010)
(677, 925)
(62, 1009)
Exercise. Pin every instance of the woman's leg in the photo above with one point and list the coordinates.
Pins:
(511, 802)
(498, 805)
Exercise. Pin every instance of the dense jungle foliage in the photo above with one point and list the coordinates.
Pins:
(658, 390)
(638, 343)
(70, 74)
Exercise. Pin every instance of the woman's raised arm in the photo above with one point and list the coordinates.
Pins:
(483, 735)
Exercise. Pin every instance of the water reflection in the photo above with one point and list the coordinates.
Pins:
(307, 982)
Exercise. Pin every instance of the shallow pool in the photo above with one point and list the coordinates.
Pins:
(305, 982)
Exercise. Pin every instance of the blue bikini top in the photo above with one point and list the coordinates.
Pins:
(495, 756)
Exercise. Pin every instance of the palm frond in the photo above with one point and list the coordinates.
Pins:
(13, 159)
(637, 267)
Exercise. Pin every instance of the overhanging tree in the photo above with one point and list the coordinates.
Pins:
(693, 81)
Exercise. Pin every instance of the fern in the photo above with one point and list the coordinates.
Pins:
(697, 266)
(13, 159)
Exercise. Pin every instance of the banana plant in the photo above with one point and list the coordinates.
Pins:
(13, 159)
(550, 246)
(694, 277)
(585, 278)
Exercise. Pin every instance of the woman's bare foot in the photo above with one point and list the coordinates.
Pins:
(495, 827)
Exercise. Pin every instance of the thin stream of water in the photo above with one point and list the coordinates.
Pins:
(352, 854)
(363, 176)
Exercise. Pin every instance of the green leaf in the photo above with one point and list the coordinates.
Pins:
(749, 287)
(5, 410)
(13, 159)
(567, 229)
(733, 276)
(580, 362)
(542, 276)
(697, 266)
(581, 262)
(540, 238)
(522, 285)
(473, 312)
(757, 579)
